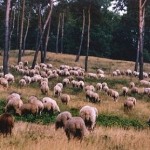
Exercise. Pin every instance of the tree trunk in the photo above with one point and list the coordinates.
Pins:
(62, 33)
(18, 19)
(141, 35)
(21, 32)
(6, 49)
(137, 58)
(41, 37)
(82, 34)
(58, 27)
(47, 35)
(26, 33)
(13, 14)
(88, 39)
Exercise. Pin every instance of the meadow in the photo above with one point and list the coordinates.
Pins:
(115, 130)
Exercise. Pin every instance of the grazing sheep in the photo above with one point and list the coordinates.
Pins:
(65, 98)
(6, 123)
(89, 87)
(128, 105)
(125, 90)
(89, 115)
(66, 81)
(98, 86)
(75, 127)
(22, 82)
(132, 84)
(57, 90)
(134, 90)
(44, 87)
(50, 103)
(144, 82)
(13, 104)
(61, 119)
(132, 99)
(27, 108)
(34, 100)
(9, 77)
(115, 95)
(4, 82)
(13, 95)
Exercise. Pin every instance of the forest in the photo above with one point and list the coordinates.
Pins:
(111, 35)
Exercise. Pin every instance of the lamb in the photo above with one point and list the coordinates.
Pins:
(61, 119)
(89, 115)
(75, 127)
(6, 123)
(13, 104)
(125, 90)
(34, 100)
(65, 98)
(27, 108)
(50, 103)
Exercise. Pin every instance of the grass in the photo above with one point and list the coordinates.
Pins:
(115, 130)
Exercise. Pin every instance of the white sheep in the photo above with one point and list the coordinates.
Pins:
(125, 90)
(61, 119)
(131, 84)
(4, 82)
(57, 90)
(27, 108)
(13, 95)
(22, 82)
(50, 102)
(13, 104)
(132, 99)
(89, 115)
(65, 98)
(44, 87)
(75, 127)
(98, 86)
(9, 77)
(34, 100)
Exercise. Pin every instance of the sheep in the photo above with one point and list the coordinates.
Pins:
(6, 123)
(60, 85)
(131, 84)
(50, 103)
(99, 71)
(57, 90)
(115, 95)
(65, 98)
(44, 87)
(13, 95)
(146, 90)
(144, 82)
(4, 82)
(128, 105)
(104, 84)
(95, 97)
(134, 90)
(75, 127)
(34, 100)
(9, 77)
(13, 104)
(22, 82)
(89, 87)
(128, 72)
(132, 99)
(66, 81)
(61, 119)
(105, 88)
(89, 115)
(125, 90)
(27, 108)
(81, 84)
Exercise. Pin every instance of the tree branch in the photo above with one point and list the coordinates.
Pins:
(144, 3)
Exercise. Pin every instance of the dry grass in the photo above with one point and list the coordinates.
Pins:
(28, 136)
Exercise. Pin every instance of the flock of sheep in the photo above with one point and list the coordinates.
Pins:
(72, 76)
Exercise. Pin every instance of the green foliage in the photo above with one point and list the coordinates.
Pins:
(111, 120)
